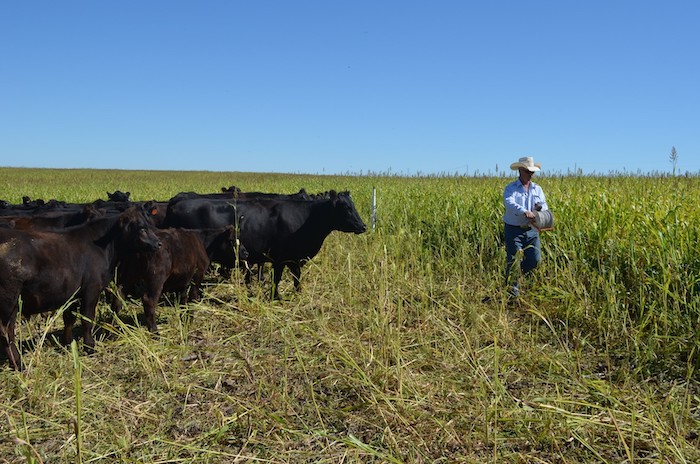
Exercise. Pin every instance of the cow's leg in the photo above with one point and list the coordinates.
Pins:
(225, 272)
(116, 298)
(88, 307)
(68, 323)
(7, 341)
(195, 292)
(295, 269)
(9, 306)
(150, 301)
(247, 275)
(277, 269)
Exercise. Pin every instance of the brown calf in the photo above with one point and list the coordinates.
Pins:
(179, 265)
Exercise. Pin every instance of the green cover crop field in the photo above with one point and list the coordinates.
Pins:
(402, 345)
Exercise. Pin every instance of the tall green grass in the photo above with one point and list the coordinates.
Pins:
(401, 347)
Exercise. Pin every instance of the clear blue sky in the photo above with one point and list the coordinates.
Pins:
(350, 86)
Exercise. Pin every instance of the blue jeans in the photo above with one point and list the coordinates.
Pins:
(527, 240)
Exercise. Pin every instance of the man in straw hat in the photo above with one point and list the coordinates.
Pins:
(522, 199)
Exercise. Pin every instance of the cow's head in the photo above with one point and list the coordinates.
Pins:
(231, 239)
(119, 196)
(226, 248)
(232, 189)
(136, 231)
(155, 212)
(347, 219)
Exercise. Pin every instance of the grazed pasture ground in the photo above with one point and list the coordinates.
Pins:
(401, 347)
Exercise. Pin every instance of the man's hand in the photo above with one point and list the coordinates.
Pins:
(529, 214)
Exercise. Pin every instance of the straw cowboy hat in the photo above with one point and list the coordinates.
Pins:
(527, 162)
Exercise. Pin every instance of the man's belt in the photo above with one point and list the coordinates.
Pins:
(525, 227)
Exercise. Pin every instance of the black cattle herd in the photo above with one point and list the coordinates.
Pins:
(54, 253)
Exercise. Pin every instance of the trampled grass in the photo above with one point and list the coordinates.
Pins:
(400, 348)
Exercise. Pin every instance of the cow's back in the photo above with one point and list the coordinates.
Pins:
(200, 213)
(170, 268)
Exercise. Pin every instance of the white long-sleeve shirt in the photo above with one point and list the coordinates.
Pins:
(517, 201)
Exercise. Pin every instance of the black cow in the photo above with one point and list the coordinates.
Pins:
(40, 203)
(61, 218)
(179, 265)
(283, 232)
(30, 207)
(118, 202)
(234, 193)
(225, 195)
(47, 269)
(119, 196)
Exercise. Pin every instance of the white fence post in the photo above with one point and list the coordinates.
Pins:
(374, 207)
